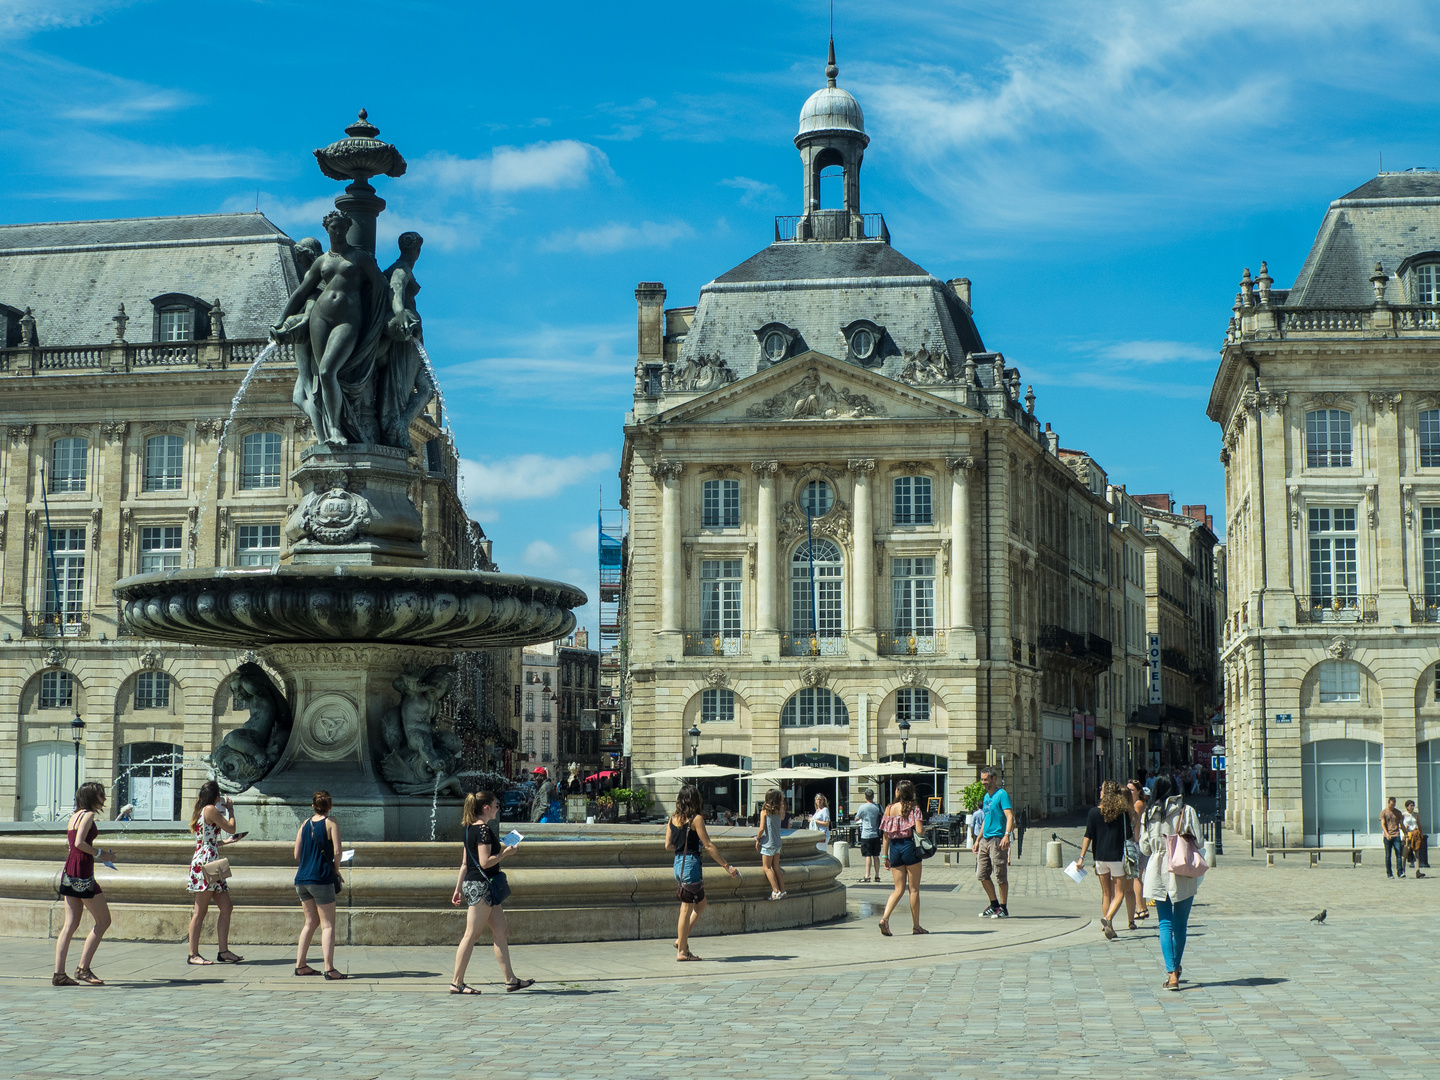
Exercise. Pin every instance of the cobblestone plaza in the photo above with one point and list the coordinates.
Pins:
(1268, 993)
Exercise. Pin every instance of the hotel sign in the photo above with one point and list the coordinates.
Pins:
(1153, 655)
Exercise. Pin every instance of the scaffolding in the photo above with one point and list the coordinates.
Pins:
(610, 711)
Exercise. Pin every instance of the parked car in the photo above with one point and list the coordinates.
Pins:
(515, 805)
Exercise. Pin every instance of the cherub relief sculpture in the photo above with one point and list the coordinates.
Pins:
(246, 754)
(418, 757)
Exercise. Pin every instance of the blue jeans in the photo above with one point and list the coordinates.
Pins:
(1395, 844)
(1174, 921)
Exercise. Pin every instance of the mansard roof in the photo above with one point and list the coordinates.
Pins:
(820, 288)
(1388, 219)
(74, 275)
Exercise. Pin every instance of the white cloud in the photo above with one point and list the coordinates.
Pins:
(586, 539)
(754, 192)
(1145, 353)
(540, 553)
(618, 236)
(124, 159)
(20, 17)
(564, 163)
(529, 476)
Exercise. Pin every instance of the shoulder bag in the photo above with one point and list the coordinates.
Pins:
(924, 845)
(216, 871)
(1132, 852)
(1183, 858)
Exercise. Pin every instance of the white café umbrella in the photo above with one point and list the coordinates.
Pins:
(799, 772)
(698, 772)
(888, 768)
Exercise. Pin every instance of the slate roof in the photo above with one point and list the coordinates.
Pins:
(74, 275)
(818, 287)
(1387, 220)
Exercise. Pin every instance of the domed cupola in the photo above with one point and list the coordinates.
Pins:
(832, 133)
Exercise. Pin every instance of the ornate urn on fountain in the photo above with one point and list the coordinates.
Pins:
(353, 623)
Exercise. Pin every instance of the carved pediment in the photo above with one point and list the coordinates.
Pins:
(815, 398)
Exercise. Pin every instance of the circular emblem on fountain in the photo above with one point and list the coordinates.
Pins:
(337, 517)
(329, 729)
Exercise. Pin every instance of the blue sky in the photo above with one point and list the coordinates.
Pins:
(1101, 171)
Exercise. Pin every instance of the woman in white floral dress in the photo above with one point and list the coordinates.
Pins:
(213, 815)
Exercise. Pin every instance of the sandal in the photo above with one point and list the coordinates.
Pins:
(198, 960)
(462, 988)
(685, 956)
(919, 930)
(331, 975)
(85, 975)
(1132, 925)
(225, 956)
(61, 979)
(885, 927)
(519, 984)
(306, 970)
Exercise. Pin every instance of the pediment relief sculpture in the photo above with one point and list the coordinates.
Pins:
(704, 373)
(814, 399)
(924, 368)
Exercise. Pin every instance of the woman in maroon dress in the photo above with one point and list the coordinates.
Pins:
(78, 887)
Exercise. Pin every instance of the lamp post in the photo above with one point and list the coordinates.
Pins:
(904, 739)
(695, 745)
(77, 732)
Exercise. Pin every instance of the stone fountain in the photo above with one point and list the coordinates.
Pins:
(347, 650)
(357, 629)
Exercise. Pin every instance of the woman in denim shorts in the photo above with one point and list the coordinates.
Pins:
(317, 850)
(685, 835)
(900, 856)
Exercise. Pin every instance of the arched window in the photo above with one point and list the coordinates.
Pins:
(1340, 681)
(814, 706)
(149, 779)
(717, 706)
(912, 703)
(1327, 439)
(152, 690)
(164, 462)
(817, 608)
(260, 461)
(67, 464)
(56, 690)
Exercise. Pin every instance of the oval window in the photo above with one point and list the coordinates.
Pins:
(775, 346)
(862, 344)
(817, 498)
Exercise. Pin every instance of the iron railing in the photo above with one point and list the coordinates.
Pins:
(812, 645)
(906, 642)
(717, 642)
(1336, 609)
(1424, 609)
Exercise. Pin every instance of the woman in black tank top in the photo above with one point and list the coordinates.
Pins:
(685, 835)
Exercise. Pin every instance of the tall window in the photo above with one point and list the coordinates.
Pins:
(152, 690)
(66, 573)
(67, 464)
(1426, 280)
(177, 324)
(912, 703)
(1332, 554)
(1339, 681)
(720, 504)
(530, 706)
(913, 505)
(1327, 439)
(913, 583)
(817, 498)
(1430, 551)
(260, 461)
(56, 690)
(717, 706)
(822, 603)
(545, 744)
(530, 742)
(164, 462)
(545, 708)
(257, 545)
(159, 548)
(814, 706)
(1429, 428)
(720, 597)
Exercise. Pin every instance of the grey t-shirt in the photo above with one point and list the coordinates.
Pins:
(869, 817)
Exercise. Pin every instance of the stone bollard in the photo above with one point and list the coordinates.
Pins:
(1210, 852)
(841, 850)
(1054, 856)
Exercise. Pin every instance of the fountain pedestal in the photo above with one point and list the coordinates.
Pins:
(356, 508)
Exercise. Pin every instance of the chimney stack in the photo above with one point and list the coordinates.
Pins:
(962, 286)
(650, 300)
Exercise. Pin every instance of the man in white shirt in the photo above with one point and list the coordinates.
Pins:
(869, 818)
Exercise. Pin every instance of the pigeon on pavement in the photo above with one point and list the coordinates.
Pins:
(1321, 917)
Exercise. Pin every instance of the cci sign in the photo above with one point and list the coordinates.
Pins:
(1156, 697)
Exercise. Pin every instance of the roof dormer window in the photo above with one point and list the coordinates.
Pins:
(177, 324)
(776, 341)
(1425, 282)
(864, 339)
(180, 317)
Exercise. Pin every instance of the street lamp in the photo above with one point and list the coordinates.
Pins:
(77, 732)
(904, 738)
(695, 745)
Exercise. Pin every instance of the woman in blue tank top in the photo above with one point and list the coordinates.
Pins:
(317, 850)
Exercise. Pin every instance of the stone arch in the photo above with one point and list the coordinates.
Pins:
(691, 714)
(888, 694)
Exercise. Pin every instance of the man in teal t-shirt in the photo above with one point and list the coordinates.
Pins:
(992, 847)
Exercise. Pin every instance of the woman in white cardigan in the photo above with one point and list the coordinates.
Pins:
(1169, 815)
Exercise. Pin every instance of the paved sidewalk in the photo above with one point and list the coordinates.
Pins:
(1268, 994)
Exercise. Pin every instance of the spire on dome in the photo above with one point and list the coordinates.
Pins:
(831, 71)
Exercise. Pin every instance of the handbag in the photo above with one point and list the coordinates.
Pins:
(924, 846)
(1183, 858)
(1132, 859)
(216, 871)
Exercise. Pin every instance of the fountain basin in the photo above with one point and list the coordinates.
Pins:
(616, 886)
(346, 603)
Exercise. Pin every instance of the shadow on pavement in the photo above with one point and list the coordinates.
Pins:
(750, 959)
(395, 975)
(1253, 981)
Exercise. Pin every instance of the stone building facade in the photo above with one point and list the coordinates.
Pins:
(1329, 405)
(850, 538)
(124, 344)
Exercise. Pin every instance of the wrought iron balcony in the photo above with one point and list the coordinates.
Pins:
(1176, 660)
(1424, 609)
(1336, 609)
(74, 623)
(813, 645)
(717, 642)
(907, 642)
(1057, 639)
(1100, 649)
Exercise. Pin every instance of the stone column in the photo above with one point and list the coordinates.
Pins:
(668, 473)
(1388, 529)
(765, 546)
(960, 470)
(863, 557)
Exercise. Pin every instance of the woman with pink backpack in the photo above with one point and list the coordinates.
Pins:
(1172, 875)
